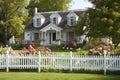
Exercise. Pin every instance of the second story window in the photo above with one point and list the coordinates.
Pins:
(72, 20)
(38, 22)
(54, 20)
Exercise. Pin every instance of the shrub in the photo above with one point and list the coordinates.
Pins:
(93, 42)
(70, 44)
(45, 50)
(55, 47)
(98, 50)
(5, 49)
(2, 50)
(116, 51)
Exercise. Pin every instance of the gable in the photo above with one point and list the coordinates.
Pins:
(51, 27)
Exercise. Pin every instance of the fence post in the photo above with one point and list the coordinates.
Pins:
(39, 57)
(7, 61)
(105, 52)
(70, 59)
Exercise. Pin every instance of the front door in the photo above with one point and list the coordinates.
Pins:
(51, 37)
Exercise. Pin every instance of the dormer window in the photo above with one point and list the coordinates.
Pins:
(54, 20)
(38, 22)
(72, 20)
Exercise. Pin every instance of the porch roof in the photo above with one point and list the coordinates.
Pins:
(51, 27)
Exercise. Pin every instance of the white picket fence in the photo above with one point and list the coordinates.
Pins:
(86, 62)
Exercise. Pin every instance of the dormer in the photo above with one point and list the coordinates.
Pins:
(38, 20)
(72, 18)
(55, 18)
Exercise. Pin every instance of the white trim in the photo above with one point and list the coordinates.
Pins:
(51, 27)
(57, 16)
(71, 14)
(38, 16)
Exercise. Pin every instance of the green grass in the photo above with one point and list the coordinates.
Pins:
(54, 76)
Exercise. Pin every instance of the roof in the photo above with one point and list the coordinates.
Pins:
(62, 24)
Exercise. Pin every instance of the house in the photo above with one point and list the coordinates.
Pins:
(49, 27)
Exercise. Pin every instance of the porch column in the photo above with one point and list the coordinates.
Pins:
(60, 34)
(45, 35)
(31, 37)
(41, 35)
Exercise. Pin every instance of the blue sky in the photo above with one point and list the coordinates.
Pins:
(80, 4)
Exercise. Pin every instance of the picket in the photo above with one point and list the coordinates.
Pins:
(86, 62)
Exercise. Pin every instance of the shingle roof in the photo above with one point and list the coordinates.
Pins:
(62, 24)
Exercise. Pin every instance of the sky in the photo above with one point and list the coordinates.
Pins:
(79, 4)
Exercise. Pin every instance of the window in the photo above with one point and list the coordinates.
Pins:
(54, 20)
(38, 21)
(54, 36)
(72, 20)
(36, 36)
(70, 35)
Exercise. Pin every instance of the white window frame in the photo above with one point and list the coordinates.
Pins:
(72, 20)
(38, 22)
(54, 20)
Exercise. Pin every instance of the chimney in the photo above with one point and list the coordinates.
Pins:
(36, 10)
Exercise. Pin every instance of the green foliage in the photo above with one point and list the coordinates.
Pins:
(55, 47)
(82, 52)
(19, 46)
(105, 19)
(116, 51)
(2, 50)
(48, 5)
(79, 28)
(13, 14)
(70, 44)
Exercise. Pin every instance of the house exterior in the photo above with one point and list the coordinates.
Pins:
(50, 27)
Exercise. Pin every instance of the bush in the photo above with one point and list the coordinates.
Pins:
(70, 44)
(19, 46)
(80, 45)
(55, 47)
(45, 50)
(116, 51)
(2, 50)
(94, 42)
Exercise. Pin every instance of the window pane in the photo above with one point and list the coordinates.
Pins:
(54, 20)
(71, 36)
(72, 19)
(38, 21)
(36, 36)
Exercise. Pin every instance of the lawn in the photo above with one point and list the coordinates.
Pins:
(54, 76)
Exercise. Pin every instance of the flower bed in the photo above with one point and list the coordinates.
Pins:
(29, 50)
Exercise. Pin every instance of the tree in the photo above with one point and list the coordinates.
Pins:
(104, 19)
(12, 17)
(80, 27)
(48, 5)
